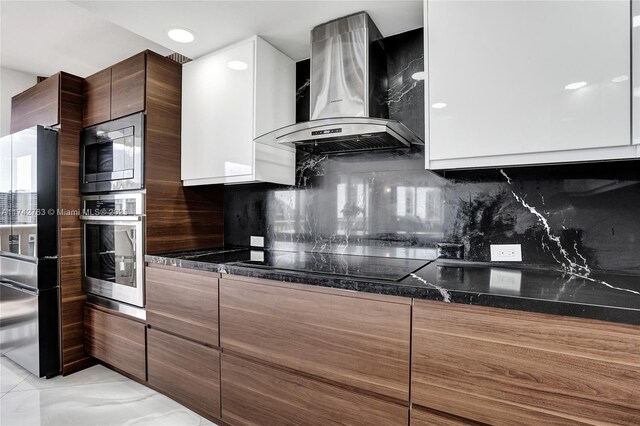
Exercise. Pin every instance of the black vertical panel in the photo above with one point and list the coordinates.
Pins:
(303, 90)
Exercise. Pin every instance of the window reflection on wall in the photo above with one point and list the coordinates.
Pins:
(352, 206)
(420, 209)
(289, 207)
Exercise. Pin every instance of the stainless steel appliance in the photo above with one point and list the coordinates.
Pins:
(348, 83)
(29, 284)
(112, 246)
(112, 155)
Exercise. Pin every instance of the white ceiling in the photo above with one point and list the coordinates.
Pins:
(44, 37)
(83, 37)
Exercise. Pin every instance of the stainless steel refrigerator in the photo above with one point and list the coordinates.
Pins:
(29, 269)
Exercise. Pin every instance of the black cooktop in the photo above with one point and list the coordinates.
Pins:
(379, 268)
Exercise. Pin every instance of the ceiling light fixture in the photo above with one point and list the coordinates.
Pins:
(620, 78)
(237, 65)
(418, 75)
(576, 85)
(439, 105)
(181, 35)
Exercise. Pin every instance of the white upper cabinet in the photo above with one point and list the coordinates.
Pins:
(635, 45)
(528, 82)
(230, 97)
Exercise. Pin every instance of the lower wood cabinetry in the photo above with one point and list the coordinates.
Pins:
(352, 339)
(186, 371)
(115, 340)
(424, 417)
(517, 368)
(256, 394)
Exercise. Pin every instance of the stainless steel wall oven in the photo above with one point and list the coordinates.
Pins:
(113, 248)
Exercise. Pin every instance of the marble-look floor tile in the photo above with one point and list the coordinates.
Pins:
(11, 374)
(206, 422)
(118, 404)
(93, 375)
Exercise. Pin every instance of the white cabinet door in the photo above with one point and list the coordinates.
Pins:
(524, 77)
(217, 115)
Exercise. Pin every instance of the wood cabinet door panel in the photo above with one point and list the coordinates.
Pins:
(255, 394)
(97, 98)
(116, 340)
(184, 370)
(349, 340)
(38, 105)
(183, 303)
(517, 368)
(128, 86)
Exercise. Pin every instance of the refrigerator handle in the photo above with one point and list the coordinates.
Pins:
(16, 286)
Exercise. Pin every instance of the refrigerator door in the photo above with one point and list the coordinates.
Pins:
(5, 194)
(29, 328)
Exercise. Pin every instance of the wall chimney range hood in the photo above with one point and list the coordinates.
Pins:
(348, 85)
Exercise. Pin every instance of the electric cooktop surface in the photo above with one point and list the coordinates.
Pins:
(379, 268)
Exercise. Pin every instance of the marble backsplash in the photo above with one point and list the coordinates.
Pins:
(578, 218)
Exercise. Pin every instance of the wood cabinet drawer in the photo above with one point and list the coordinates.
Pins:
(507, 367)
(255, 394)
(348, 339)
(183, 302)
(185, 371)
(115, 340)
(423, 417)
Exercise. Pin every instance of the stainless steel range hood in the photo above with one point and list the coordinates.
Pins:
(349, 108)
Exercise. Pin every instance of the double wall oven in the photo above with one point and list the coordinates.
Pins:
(113, 210)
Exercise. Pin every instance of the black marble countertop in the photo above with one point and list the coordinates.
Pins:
(602, 296)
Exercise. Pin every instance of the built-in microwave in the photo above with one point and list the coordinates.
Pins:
(112, 155)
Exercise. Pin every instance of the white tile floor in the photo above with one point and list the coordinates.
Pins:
(96, 396)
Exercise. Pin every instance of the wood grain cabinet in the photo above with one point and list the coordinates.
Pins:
(185, 371)
(116, 340)
(115, 92)
(352, 339)
(38, 105)
(183, 302)
(256, 394)
(507, 367)
(424, 417)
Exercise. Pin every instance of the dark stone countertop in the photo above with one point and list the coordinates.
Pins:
(603, 296)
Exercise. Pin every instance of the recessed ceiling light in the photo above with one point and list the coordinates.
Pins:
(418, 75)
(636, 21)
(181, 35)
(620, 78)
(439, 105)
(576, 85)
(237, 65)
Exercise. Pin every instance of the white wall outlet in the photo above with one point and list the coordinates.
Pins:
(506, 253)
(257, 241)
(257, 256)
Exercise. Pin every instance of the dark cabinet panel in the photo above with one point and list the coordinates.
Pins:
(128, 86)
(97, 98)
(185, 371)
(183, 302)
(506, 367)
(38, 105)
(352, 340)
(115, 340)
(256, 394)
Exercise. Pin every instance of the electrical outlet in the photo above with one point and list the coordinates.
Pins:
(257, 241)
(506, 253)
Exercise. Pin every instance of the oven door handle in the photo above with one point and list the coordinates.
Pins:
(111, 218)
